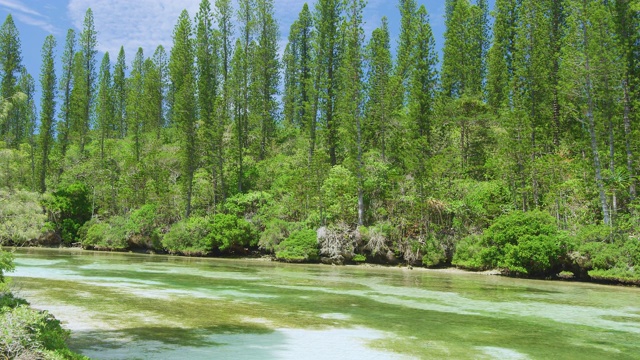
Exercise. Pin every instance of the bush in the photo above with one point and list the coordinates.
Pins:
(111, 235)
(8, 300)
(6, 263)
(232, 233)
(377, 238)
(142, 228)
(532, 254)
(339, 192)
(625, 276)
(275, 232)
(434, 253)
(202, 235)
(467, 253)
(607, 255)
(247, 204)
(518, 242)
(481, 202)
(26, 333)
(190, 237)
(301, 246)
(21, 217)
(69, 208)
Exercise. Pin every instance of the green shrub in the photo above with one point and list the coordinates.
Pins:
(190, 237)
(6, 263)
(202, 235)
(8, 300)
(142, 228)
(111, 235)
(597, 255)
(95, 234)
(532, 254)
(69, 208)
(467, 253)
(301, 246)
(377, 237)
(607, 255)
(275, 232)
(339, 191)
(481, 202)
(26, 333)
(434, 253)
(230, 232)
(518, 242)
(359, 258)
(247, 204)
(21, 217)
(626, 276)
(566, 275)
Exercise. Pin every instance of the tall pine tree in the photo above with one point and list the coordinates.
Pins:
(120, 94)
(88, 43)
(350, 103)
(182, 73)
(208, 72)
(10, 66)
(66, 86)
(327, 19)
(47, 107)
(104, 104)
(266, 74)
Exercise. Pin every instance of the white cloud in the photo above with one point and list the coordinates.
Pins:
(33, 21)
(18, 6)
(27, 15)
(132, 24)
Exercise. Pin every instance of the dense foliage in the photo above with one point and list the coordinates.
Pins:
(517, 153)
(300, 246)
(520, 242)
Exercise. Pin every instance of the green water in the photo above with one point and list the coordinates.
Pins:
(124, 306)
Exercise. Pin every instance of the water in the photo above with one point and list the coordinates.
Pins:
(125, 306)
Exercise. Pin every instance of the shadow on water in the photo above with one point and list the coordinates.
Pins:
(172, 343)
(245, 343)
(169, 336)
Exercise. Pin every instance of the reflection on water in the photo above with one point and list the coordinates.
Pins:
(123, 306)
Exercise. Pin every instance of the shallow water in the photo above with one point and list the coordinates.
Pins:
(125, 306)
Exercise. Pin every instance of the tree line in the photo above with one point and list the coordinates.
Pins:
(221, 145)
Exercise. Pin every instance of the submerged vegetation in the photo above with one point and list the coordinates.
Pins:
(517, 151)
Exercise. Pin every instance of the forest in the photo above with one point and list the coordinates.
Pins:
(517, 150)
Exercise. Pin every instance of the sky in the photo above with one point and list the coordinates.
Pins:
(149, 23)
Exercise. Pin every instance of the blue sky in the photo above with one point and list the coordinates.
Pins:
(149, 23)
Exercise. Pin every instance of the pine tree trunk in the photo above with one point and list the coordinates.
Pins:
(331, 127)
(360, 175)
(44, 164)
(627, 135)
(592, 133)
